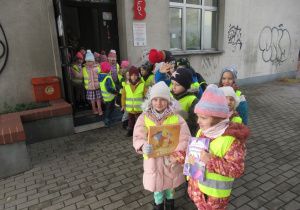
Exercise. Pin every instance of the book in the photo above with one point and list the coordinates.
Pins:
(193, 167)
(164, 139)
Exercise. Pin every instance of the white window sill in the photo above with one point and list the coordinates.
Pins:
(196, 52)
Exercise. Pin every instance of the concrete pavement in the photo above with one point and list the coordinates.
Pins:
(99, 169)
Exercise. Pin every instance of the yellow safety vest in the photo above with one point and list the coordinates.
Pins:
(238, 93)
(123, 84)
(107, 96)
(237, 119)
(120, 77)
(118, 69)
(148, 81)
(134, 99)
(173, 119)
(186, 103)
(214, 184)
(86, 77)
(171, 86)
(77, 80)
(202, 83)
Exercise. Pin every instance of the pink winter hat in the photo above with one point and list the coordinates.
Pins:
(105, 67)
(96, 55)
(79, 55)
(125, 63)
(102, 57)
(112, 55)
(213, 103)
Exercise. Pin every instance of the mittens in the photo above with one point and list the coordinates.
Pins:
(147, 149)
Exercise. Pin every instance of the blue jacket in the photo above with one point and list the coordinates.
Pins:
(108, 84)
(161, 77)
(242, 109)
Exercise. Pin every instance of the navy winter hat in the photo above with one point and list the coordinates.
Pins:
(183, 76)
(183, 62)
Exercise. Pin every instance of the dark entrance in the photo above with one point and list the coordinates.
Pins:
(92, 25)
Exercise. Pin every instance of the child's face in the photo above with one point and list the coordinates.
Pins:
(177, 88)
(133, 77)
(205, 121)
(123, 69)
(144, 72)
(112, 62)
(227, 79)
(159, 104)
(79, 61)
(82, 51)
(127, 75)
(172, 69)
(89, 63)
(230, 102)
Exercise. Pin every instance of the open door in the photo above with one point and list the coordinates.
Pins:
(64, 53)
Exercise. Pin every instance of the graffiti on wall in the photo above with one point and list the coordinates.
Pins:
(234, 37)
(3, 49)
(275, 44)
(209, 64)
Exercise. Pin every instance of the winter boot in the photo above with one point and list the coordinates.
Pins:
(169, 204)
(125, 124)
(130, 132)
(106, 121)
(158, 207)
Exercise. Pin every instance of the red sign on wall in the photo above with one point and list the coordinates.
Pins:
(139, 9)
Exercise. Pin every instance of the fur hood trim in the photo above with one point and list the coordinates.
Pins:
(239, 131)
(174, 105)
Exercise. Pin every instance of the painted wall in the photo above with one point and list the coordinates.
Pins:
(259, 38)
(31, 34)
(157, 32)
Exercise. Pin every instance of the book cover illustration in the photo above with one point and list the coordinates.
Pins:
(164, 139)
(193, 167)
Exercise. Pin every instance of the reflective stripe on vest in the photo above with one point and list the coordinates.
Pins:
(86, 77)
(77, 80)
(107, 96)
(237, 119)
(202, 83)
(173, 119)
(134, 99)
(148, 81)
(186, 103)
(215, 184)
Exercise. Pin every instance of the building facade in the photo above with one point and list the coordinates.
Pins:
(38, 38)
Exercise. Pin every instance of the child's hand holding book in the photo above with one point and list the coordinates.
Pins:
(147, 149)
(205, 156)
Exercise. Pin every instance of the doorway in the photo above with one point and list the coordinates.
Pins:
(92, 25)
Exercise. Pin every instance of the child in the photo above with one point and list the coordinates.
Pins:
(122, 79)
(133, 95)
(159, 177)
(233, 101)
(181, 82)
(115, 68)
(109, 92)
(228, 78)
(146, 72)
(102, 57)
(97, 57)
(78, 87)
(227, 151)
(90, 74)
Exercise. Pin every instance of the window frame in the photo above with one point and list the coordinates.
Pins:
(203, 8)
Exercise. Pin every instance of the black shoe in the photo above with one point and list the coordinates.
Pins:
(130, 132)
(125, 124)
(158, 207)
(169, 204)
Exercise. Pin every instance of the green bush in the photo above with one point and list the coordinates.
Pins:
(20, 107)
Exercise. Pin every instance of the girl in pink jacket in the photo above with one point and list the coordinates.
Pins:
(90, 74)
(159, 176)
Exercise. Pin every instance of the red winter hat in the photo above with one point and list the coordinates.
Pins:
(105, 67)
(133, 70)
(79, 55)
(155, 56)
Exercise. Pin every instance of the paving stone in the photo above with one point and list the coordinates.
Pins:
(74, 200)
(264, 178)
(287, 196)
(254, 193)
(271, 194)
(292, 205)
(274, 204)
(283, 187)
(257, 202)
(239, 201)
(86, 202)
(267, 186)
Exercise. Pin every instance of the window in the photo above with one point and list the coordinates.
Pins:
(193, 25)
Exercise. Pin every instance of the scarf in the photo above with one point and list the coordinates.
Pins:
(134, 83)
(217, 130)
(156, 117)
